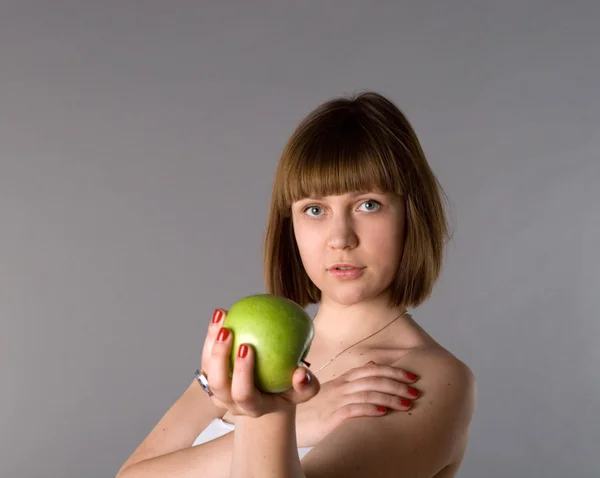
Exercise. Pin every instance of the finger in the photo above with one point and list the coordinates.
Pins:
(243, 391)
(389, 371)
(213, 329)
(218, 366)
(382, 384)
(353, 410)
(304, 386)
(375, 399)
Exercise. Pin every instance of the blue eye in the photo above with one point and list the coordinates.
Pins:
(371, 205)
(312, 211)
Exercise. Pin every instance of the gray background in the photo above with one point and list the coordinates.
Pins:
(138, 142)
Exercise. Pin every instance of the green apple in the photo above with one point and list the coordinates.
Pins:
(279, 331)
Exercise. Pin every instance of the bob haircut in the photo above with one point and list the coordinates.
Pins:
(348, 144)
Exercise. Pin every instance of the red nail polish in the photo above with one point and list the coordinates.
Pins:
(405, 402)
(243, 351)
(413, 391)
(381, 409)
(410, 376)
(217, 316)
(307, 378)
(223, 334)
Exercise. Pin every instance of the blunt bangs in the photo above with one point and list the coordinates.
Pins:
(336, 157)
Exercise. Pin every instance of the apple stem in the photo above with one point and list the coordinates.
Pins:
(305, 363)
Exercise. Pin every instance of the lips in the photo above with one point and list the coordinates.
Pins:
(345, 271)
(343, 266)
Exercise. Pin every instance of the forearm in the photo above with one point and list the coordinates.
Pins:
(266, 447)
(211, 459)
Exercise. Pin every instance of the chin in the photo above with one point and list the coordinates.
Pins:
(348, 297)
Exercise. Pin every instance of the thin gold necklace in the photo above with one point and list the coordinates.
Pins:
(362, 340)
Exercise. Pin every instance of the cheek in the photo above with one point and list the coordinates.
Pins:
(386, 244)
(307, 246)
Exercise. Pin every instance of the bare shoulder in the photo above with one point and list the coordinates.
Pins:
(429, 440)
(448, 388)
(435, 361)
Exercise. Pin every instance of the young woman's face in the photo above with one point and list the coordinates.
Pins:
(350, 245)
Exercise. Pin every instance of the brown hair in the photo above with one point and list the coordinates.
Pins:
(347, 144)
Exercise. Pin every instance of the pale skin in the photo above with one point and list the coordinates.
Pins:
(336, 412)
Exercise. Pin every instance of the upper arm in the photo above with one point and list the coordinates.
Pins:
(416, 444)
(179, 426)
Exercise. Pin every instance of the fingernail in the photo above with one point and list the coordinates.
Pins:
(307, 378)
(369, 363)
(381, 409)
(413, 391)
(410, 376)
(243, 351)
(405, 402)
(223, 334)
(217, 316)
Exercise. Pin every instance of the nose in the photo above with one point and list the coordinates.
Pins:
(342, 234)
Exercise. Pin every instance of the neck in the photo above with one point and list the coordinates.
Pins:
(339, 325)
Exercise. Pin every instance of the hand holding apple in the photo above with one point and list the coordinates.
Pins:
(281, 333)
(260, 324)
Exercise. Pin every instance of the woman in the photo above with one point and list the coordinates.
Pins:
(356, 226)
